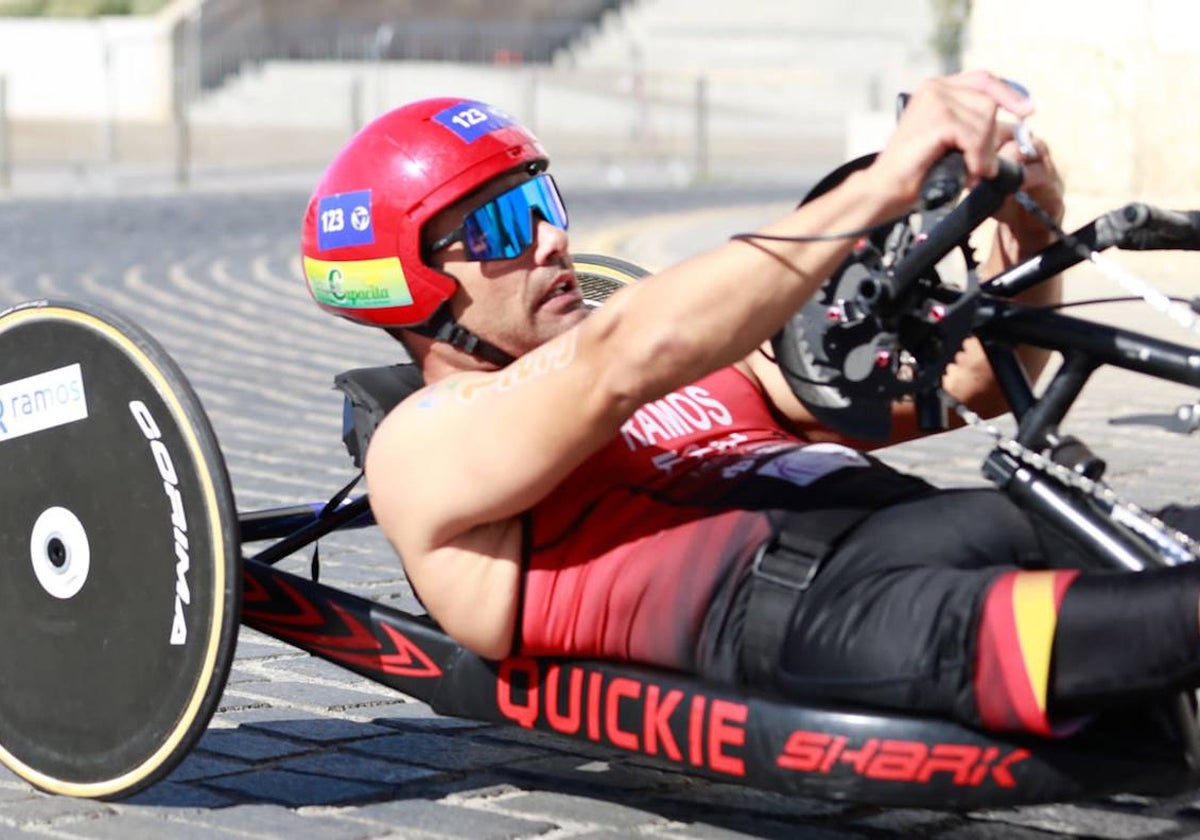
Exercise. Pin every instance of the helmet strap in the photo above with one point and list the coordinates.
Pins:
(441, 326)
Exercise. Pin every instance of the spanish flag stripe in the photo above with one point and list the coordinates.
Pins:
(1016, 639)
(1062, 582)
(1035, 616)
(1013, 701)
(991, 689)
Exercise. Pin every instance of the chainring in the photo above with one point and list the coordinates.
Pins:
(845, 360)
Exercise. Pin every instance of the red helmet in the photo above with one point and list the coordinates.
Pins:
(361, 241)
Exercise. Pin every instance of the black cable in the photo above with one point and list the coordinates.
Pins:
(821, 237)
(1034, 209)
(1022, 197)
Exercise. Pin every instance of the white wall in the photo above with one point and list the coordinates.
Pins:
(1115, 83)
(101, 68)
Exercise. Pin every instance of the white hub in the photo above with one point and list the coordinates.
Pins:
(58, 547)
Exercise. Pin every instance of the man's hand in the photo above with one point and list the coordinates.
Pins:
(1019, 234)
(947, 114)
(1043, 183)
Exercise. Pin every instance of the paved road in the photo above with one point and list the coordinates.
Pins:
(300, 748)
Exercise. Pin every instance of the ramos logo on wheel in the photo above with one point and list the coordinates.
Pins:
(43, 401)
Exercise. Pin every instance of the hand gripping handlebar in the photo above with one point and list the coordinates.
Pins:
(888, 294)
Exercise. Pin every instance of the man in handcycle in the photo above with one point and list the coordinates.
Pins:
(639, 483)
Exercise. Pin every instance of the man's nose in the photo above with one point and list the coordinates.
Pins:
(551, 241)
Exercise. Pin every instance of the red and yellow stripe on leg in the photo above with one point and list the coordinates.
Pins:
(1016, 639)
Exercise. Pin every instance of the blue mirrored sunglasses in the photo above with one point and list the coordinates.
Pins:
(503, 228)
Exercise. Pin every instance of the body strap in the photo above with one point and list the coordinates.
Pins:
(782, 571)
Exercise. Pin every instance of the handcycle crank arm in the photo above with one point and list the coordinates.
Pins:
(1105, 541)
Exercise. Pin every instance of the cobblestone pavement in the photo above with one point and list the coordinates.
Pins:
(300, 748)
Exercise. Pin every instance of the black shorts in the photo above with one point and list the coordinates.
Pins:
(892, 617)
(895, 617)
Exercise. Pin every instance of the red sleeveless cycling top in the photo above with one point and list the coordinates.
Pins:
(624, 557)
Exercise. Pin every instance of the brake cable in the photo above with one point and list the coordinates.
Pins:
(1178, 312)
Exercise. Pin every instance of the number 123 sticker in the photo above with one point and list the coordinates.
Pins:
(472, 120)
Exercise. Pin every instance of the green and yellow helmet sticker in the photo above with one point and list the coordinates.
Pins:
(358, 284)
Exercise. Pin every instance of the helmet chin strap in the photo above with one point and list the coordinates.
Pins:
(441, 326)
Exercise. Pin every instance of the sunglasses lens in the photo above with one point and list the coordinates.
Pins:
(544, 198)
(503, 228)
(475, 239)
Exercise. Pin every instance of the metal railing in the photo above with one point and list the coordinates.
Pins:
(5, 141)
(619, 129)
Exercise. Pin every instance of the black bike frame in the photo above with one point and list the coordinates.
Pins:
(725, 733)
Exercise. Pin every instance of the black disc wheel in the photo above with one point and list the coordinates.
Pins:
(119, 576)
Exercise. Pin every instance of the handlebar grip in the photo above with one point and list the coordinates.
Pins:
(978, 205)
(1143, 227)
(946, 178)
(944, 181)
(1009, 176)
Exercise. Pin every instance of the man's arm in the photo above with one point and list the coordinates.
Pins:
(451, 467)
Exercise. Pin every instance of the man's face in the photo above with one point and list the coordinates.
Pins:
(519, 303)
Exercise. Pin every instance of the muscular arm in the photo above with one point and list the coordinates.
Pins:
(451, 468)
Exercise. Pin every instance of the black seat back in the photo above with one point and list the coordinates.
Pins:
(370, 393)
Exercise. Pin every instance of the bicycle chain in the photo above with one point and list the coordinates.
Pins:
(1177, 546)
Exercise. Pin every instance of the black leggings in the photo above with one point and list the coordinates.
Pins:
(894, 616)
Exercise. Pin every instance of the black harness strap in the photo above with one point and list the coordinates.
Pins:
(782, 571)
(330, 506)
